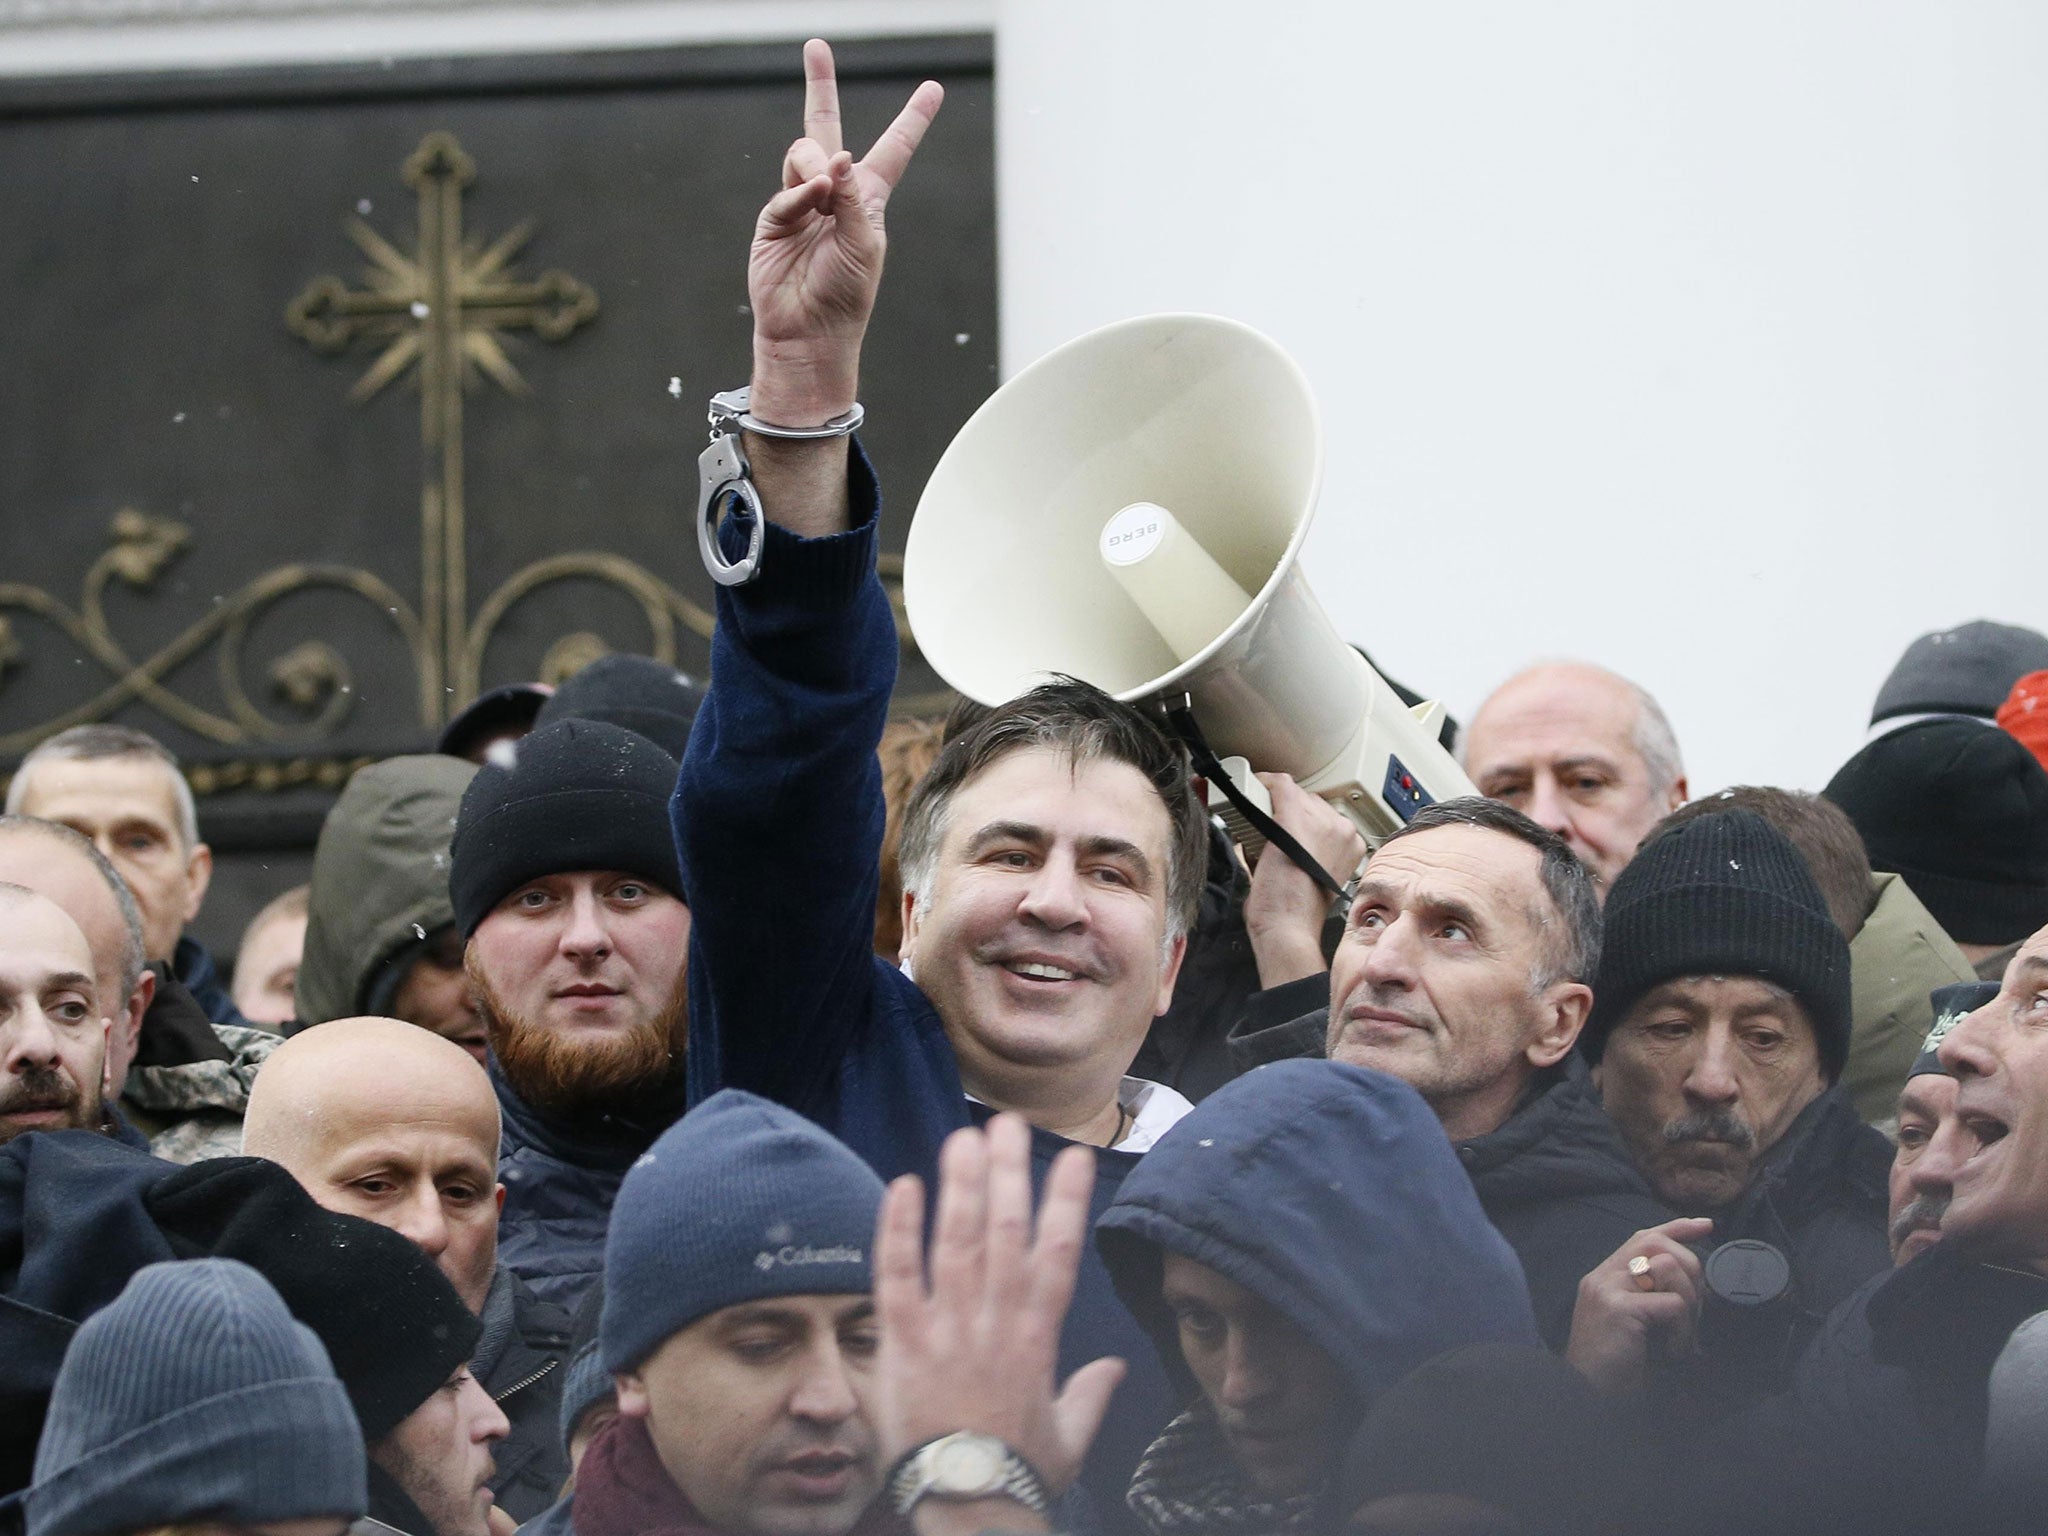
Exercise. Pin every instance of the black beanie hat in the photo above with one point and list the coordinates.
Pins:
(637, 692)
(393, 1324)
(578, 794)
(1958, 809)
(510, 708)
(1723, 895)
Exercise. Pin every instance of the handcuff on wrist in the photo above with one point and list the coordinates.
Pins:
(724, 476)
(964, 1466)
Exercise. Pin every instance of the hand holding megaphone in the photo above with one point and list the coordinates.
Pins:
(1130, 510)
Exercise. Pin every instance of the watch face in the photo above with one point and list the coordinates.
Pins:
(967, 1464)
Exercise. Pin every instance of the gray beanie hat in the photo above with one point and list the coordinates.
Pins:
(195, 1396)
(739, 1200)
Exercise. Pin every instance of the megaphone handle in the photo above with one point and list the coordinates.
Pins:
(1182, 719)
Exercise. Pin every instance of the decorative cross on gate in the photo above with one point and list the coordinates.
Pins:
(441, 309)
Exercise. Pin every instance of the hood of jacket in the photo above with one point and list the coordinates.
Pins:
(1558, 1145)
(380, 878)
(1330, 1192)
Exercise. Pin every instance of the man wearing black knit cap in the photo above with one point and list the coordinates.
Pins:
(1720, 1024)
(399, 1336)
(566, 888)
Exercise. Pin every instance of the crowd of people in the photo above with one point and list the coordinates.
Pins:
(665, 1112)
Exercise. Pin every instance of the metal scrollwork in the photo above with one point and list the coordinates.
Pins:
(439, 311)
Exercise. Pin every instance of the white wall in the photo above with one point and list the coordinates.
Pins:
(1707, 341)
(60, 37)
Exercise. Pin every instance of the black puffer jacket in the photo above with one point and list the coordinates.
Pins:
(1882, 1428)
(518, 1362)
(1819, 1197)
(1556, 1179)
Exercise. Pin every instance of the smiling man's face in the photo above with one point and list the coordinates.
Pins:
(1042, 941)
(1999, 1054)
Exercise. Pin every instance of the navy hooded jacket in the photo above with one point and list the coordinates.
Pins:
(1331, 1193)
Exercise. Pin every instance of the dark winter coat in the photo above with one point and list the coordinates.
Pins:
(1882, 1428)
(559, 1186)
(1557, 1180)
(73, 1229)
(778, 816)
(1820, 1197)
(519, 1362)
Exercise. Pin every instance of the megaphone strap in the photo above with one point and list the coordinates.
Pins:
(1182, 718)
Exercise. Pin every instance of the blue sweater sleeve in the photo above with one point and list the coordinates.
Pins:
(778, 813)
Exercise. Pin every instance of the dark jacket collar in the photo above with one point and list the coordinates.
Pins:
(1558, 1143)
(1826, 1159)
(195, 970)
(604, 1141)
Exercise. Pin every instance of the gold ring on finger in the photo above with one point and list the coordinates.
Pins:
(1639, 1271)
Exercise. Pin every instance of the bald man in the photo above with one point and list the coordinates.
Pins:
(1581, 751)
(53, 1033)
(384, 1120)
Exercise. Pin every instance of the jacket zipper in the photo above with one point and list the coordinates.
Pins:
(521, 1386)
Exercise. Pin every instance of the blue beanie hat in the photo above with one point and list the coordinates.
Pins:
(194, 1396)
(739, 1200)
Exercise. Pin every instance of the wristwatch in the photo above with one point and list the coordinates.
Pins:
(965, 1465)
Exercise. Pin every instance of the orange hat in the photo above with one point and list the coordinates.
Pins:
(2025, 713)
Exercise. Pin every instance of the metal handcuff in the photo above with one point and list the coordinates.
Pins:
(724, 476)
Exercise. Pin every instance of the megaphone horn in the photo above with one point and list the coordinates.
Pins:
(1130, 510)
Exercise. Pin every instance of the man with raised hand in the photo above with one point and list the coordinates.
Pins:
(1052, 860)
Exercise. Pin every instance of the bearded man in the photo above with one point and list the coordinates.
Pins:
(565, 887)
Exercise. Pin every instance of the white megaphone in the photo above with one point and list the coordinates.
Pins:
(1129, 510)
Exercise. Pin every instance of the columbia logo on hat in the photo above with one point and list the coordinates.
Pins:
(766, 1260)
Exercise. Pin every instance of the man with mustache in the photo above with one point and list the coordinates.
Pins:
(1719, 1028)
(1931, 1139)
(53, 1032)
(565, 885)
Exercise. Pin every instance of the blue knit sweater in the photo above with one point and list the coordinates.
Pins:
(778, 819)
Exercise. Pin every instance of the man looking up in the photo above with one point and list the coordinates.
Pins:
(53, 1036)
(1583, 752)
(121, 788)
(1052, 859)
(1297, 1245)
(380, 935)
(1462, 971)
(181, 1080)
(1719, 1028)
(739, 1329)
(380, 1119)
(565, 885)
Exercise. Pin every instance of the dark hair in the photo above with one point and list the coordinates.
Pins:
(1575, 944)
(1822, 832)
(1081, 721)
